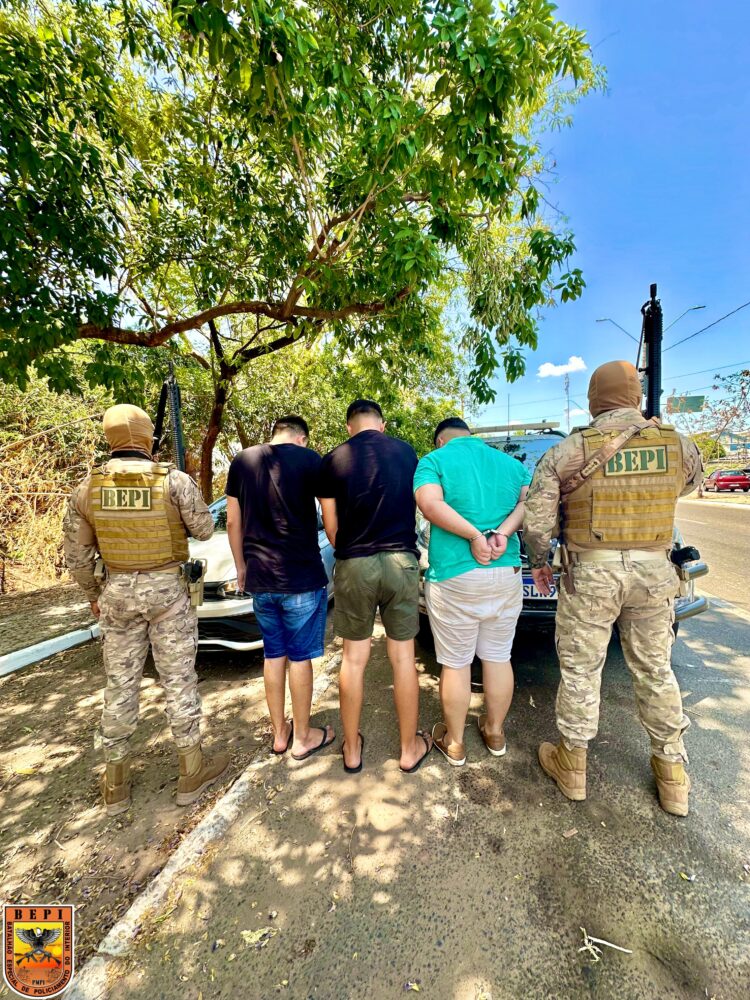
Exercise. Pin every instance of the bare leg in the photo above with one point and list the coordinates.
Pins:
(351, 694)
(406, 697)
(274, 678)
(497, 678)
(301, 686)
(455, 695)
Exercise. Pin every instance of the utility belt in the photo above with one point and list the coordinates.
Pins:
(615, 555)
(565, 560)
(193, 572)
(167, 571)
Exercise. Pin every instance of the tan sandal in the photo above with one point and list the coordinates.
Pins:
(454, 753)
(495, 744)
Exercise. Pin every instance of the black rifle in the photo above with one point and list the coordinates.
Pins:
(651, 339)
(170, 395)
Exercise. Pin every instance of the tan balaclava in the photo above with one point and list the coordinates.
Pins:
(614, 386)
(128, 428)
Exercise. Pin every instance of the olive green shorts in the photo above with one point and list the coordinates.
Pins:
(387, 582)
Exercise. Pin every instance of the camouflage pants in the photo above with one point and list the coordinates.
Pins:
(138, 609)
(639, 596)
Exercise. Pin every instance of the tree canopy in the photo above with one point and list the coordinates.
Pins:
(298, 167)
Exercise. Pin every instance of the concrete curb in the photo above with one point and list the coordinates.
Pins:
(718, 603)
(716, 503)
(93, 980)
(41, 650)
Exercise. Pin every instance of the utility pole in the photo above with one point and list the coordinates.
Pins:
(567, 400)
(651, 336)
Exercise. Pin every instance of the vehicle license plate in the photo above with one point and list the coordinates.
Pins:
(530, 593)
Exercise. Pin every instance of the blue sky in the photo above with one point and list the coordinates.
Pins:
(654, 177)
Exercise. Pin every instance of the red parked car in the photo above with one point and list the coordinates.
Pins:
(727, 479)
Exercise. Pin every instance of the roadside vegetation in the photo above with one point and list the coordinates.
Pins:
(49, 440)
(293, 204)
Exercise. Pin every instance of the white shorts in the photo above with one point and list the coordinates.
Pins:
(475, 613)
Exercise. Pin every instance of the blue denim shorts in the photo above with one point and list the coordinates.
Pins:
(292, 625)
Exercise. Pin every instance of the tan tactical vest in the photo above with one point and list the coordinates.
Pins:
(137, 526)
(630, 502)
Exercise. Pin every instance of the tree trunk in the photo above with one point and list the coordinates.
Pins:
(242, 433)
(221, 392)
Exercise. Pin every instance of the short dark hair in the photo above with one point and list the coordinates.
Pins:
(291, 423)
(362, 406)
(456, 423)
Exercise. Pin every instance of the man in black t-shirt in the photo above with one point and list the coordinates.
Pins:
(272, 526)
(366, 491)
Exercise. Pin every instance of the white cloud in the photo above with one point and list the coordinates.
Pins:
(575, 364)
(578, 413)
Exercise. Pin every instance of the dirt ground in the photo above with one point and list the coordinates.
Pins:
(56, 842)
(459, 884)
(474, 883)
(43, 614)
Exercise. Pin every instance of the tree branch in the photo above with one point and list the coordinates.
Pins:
(216, 339)
(274, 310)
(200, 359)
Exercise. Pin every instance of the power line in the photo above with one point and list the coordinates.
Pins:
(529, 402)
(703, 330)
(703, 371)
(666, 378)
(697, 388)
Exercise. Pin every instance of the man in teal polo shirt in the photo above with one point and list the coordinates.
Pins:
(472, 495)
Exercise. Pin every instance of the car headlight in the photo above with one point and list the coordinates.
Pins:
(229, 590)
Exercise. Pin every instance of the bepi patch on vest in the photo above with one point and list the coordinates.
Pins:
(126, 498)
(638, 462)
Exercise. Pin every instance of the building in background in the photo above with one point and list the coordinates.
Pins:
(736, 443)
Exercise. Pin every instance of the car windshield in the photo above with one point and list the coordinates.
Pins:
(219, 513)
(527, 448)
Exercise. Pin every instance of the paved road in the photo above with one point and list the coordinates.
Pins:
(722, 534)
(474, 882)
(471, 883)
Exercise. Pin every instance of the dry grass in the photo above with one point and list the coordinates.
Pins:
(37, 475)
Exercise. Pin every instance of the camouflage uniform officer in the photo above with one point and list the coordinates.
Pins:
(137, 514)
(616, 525)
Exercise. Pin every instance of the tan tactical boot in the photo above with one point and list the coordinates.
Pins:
(197, 773)
(115, 786)
(567, 767)
(672, 784)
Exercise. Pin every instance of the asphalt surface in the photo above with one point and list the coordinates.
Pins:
(722, 534)
(474, 883)
(461, 884)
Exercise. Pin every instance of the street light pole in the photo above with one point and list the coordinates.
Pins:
(607, 319)
(691, 309)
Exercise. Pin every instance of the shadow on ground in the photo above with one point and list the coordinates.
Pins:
(56, 843)
(475, 883)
